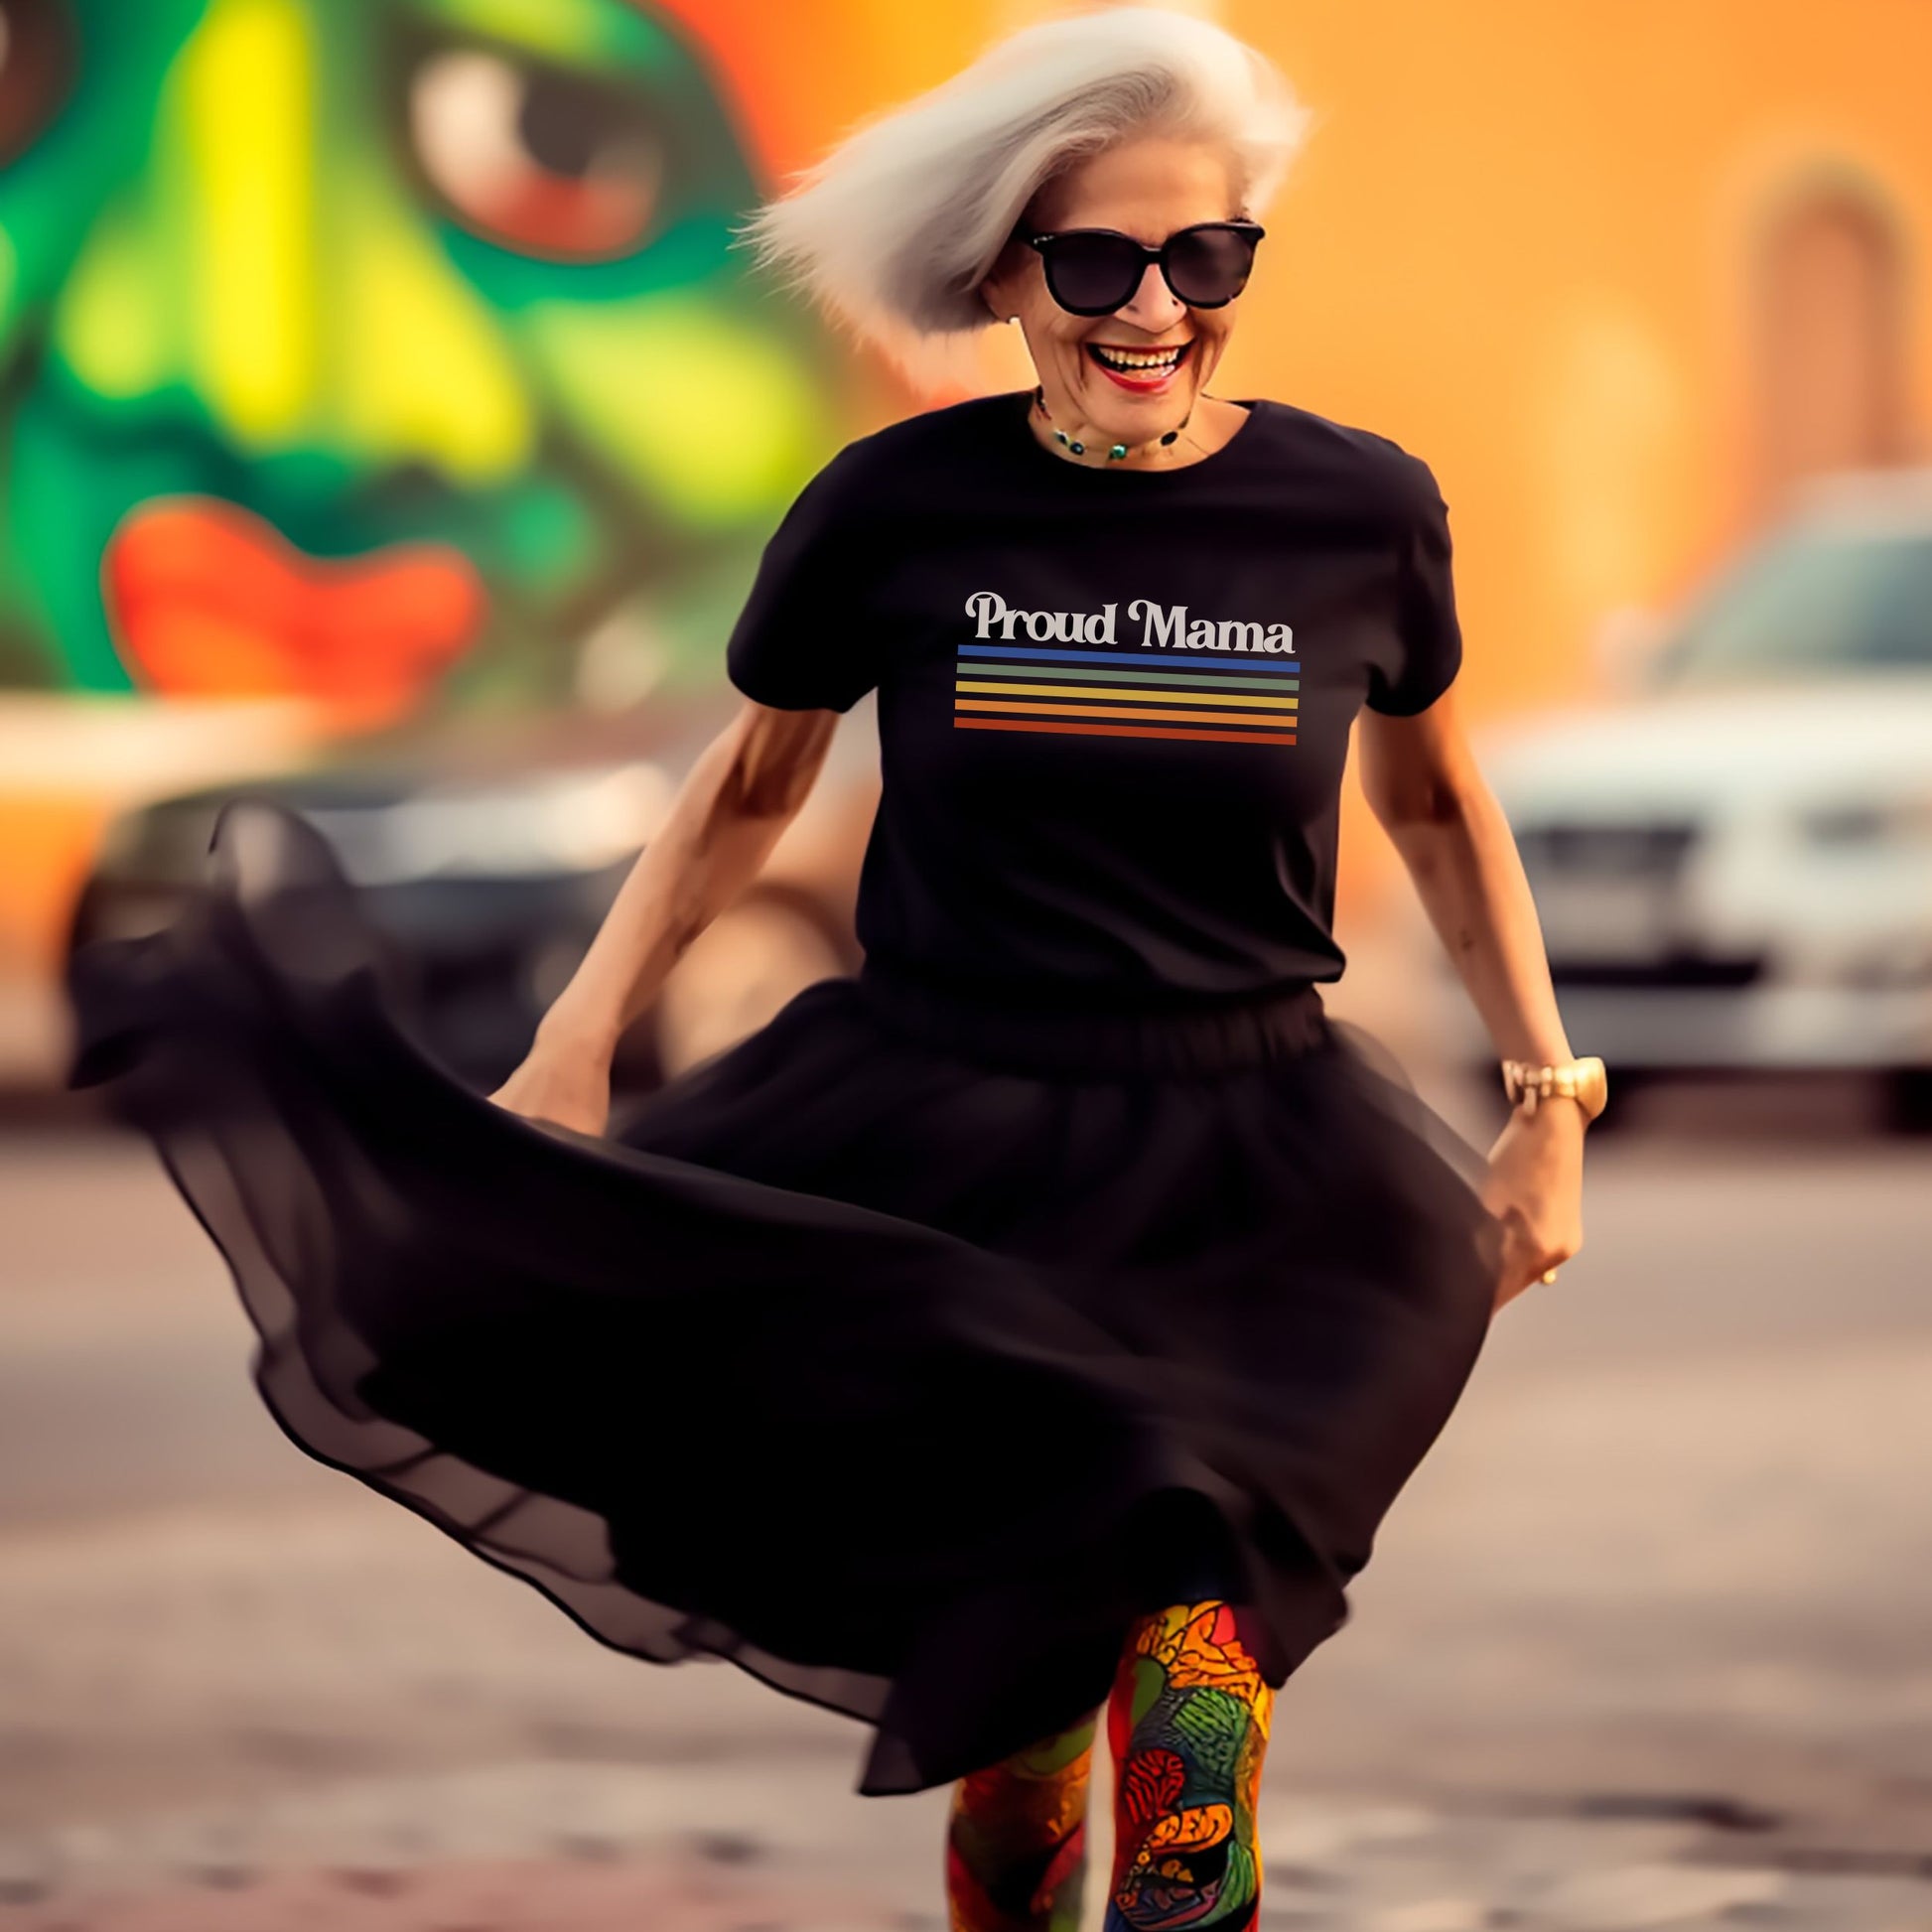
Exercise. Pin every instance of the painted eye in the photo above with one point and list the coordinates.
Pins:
(36, 69)
(541, 161)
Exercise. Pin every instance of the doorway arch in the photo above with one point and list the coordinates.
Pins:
(1828, 314)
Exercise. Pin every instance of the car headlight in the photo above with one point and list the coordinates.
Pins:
(571, 822)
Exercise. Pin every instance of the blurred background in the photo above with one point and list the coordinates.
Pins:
(388, 424)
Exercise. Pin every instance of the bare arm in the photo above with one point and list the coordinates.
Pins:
(1419, 778)
(735, 801)
(733, 805)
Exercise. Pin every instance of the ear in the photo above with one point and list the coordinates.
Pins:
(999, 286)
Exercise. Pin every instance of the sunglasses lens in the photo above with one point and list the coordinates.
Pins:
(1092, 274)
(1210, 266)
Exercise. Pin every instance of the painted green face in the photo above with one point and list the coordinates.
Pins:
(365, 349)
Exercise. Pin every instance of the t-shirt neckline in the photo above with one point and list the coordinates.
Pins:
(1252, 404)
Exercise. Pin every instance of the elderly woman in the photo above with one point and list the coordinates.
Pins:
(1040, 1321)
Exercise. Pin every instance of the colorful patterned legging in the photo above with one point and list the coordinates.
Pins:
(1188, 1725)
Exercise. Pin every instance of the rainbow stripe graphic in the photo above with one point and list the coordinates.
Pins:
(1112, 694)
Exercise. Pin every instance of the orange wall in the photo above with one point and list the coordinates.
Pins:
(1517, 242)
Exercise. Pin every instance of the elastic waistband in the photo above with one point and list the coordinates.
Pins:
(1216, 1034)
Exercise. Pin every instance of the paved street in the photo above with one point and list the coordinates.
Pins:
(1644, 1643)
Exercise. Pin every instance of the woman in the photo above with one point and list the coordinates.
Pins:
(1044, 1319)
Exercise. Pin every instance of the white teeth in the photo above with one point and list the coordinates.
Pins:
(1139, 361)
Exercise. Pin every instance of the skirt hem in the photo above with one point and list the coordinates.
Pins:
(913, 1478)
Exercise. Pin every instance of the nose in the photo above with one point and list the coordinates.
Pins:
(1155, 306)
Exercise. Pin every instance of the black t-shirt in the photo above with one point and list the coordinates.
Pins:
(1113, 704)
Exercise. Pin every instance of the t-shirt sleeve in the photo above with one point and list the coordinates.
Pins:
(1428, 638)
(801, 642)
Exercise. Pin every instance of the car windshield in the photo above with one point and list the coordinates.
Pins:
(1820, 602)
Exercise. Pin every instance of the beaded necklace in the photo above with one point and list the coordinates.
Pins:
(1118, 453)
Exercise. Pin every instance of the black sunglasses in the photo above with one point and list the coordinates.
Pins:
(1094, 271)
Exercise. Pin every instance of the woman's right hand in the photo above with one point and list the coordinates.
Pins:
(745, 788)
(570, 1086)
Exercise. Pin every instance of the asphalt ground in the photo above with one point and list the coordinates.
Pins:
(1643, 1643)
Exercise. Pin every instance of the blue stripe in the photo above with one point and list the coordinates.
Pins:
(1236, 660)
(1149, 680)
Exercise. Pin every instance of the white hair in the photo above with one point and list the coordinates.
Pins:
(892, 232)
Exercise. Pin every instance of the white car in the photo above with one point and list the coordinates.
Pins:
(1732, 861)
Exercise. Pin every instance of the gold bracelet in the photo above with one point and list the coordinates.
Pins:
(1585, 1081)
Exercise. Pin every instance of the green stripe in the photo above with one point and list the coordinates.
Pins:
(985, 667)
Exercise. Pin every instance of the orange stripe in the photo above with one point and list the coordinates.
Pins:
(1112, 711)
(1139, 693)
(1118, 730)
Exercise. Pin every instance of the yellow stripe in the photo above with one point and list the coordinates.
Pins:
(1126, 711)
(1139, 694)
(247, 102)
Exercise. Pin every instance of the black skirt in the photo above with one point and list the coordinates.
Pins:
(900, 1355)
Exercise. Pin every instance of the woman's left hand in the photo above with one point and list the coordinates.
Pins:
(1535, 1189)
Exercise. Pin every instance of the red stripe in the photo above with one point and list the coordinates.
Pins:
(1118, 730)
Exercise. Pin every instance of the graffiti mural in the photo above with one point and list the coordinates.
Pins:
(380, 354)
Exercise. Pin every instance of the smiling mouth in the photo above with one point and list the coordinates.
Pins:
(1139, 368)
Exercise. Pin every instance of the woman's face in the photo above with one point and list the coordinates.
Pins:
(1146, 189)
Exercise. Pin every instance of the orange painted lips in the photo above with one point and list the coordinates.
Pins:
(208, 600)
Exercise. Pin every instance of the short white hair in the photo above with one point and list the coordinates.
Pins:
(892, 232)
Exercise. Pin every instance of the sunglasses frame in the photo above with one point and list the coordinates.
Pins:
(1147, 252)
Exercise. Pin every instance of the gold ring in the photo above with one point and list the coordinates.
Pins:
(1548, 1275)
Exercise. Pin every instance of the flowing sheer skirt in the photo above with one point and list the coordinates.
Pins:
(901, 1355)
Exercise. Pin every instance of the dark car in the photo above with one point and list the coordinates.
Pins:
(489, 876)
